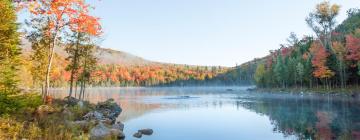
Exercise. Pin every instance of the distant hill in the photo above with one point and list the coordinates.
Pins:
(104, 55)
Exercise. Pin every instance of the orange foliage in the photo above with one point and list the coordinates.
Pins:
(319, 61)
(66, 13)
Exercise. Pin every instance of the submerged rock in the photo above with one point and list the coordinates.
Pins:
(137, 135)
(146, 131)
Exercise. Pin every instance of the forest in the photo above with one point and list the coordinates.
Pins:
(330, 59)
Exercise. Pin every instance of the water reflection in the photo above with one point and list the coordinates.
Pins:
(311, 116)
(218, 113)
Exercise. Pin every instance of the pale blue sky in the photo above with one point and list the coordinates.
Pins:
(204, 32)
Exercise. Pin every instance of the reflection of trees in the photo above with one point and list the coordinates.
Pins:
(310, 118)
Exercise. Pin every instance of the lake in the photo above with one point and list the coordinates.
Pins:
(231, 113)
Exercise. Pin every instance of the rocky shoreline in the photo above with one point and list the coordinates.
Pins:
(101, 121)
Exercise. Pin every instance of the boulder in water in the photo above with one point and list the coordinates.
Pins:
(110, 109)
(137, 135)
(147, 131)
(118, 125)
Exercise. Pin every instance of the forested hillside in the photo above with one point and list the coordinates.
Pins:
(116, 68)
(330, 59)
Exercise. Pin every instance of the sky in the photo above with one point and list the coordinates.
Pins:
(204, 32)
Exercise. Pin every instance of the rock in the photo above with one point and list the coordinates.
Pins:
(117, 133)
(146, 131)
(71, 100)
(107, 121)
(93, 115)
(137, 135)
(45, 109)
(100, 132)
(109, 109)
(118, 125)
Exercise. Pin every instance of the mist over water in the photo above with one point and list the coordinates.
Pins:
(213, 113)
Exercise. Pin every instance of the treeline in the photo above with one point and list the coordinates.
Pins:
(147, 75)
(331, 59)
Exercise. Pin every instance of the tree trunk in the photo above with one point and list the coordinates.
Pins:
(74, 67)
(84, 87)
(81, 89)
(47, 78)
(76, 85)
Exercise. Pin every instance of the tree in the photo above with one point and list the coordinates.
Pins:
(88, 65)
(340, 52)
(279, 71)
(39, 42)
(9, 50)
(73, 50)
(319, 62)
(353, 49)
(322, 21)
(300, 72)
(61, 16)
(259, 74)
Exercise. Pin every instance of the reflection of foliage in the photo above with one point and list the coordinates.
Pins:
(309, 118)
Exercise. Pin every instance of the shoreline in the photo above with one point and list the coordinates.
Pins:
(353, 91)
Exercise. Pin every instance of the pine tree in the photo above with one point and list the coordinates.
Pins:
(9, 50)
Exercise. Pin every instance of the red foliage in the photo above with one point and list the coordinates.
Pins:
(353, 48)
(319, 61)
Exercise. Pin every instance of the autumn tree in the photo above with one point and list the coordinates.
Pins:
(39, 43)
(60, 17)
(340, 52)
(353, 49)
(322, 21)
(319, 62)
(9, 49)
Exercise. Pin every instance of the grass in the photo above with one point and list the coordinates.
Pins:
(22, 120)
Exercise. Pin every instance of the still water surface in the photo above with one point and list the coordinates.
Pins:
(209, 113)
